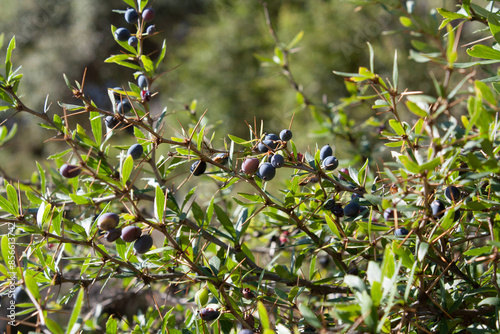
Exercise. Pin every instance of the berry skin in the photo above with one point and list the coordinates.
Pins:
(148, 14)
(198, 167)
(401, 232)
(267, 171)
(389, 214)
(201, 297)
(250, 166)
(151, 29)
(338, 211)
(330, 163)
(286, 135)
(69, 171)
(133, 41)
(123, 107)
(352, 209)
(437, 209)
(131, 16)
(272, 137)
(21, 296)
(329, 204)
(111, 122)
(122, 34)
(209, 314)
(277, 161)
(452, 193)
(325, 152)
(345, 171)
(131, 233)
(113, 234)
(108, 221)
(143, 244)
(142, 81)
(247, 293)
(135, 151)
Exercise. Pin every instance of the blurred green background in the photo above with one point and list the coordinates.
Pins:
(211, 51)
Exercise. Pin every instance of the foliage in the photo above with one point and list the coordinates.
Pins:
(321, 269)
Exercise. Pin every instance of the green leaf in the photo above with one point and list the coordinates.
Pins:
(224, 220)
(483, 51)
(162, 54)
(159, 204)
(395, 72)
(450, 15)
(494, 25)
(127, 167)
(7, 206)
(8, 63)
(263, 316)
(12, 196)
(31, 285)
(96, 124)
(7, 257)
(77, 307)
(295, 40)
(408, 164)
(148, 65)
(493, 301)
(414, 108)
(111, 325)
(53, 326)
(309, 316)
(396, 126)
(422, 251)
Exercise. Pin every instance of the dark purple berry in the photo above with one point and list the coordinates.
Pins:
(272, 137)
(329, 204)
(389, 214)
(131, 233)
(267, 171)
(325, 152)
(113, 234)
(111, 122)
(401, 231)
(143, 244)
(356, 196)
(338, 211)
(452, 193)
(286, 135)
(21, 296)
(135, 151)
(108, 221)
(69, 171)
(148, 14)
(142, 81)
(122, 34)
(131, 16)
(209, 314)
(277, 161)
(123, 107)
(437, 209)
(330, 163)
(133, 41)
(151, 29)
(352, 209)
(250, 166)
(198, 167)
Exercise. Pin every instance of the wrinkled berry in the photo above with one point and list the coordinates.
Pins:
(330, 163)
(352, 209)
(250, 166)
(148, 14)
(145, 95)
(198, 167)
(113, 234)
(131, 233)
(247, 293)
(267, 171)
(286, 135)
(70, 171)
(122, 34)
(131, 16)
(452, 193)
(277, 161)
(209, 314)
(135, 151)
(325, 152)
(108, 221)
(338, 211)
(329, 204)
(143, 244)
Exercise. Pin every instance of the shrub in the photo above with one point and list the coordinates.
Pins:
(397, 258)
